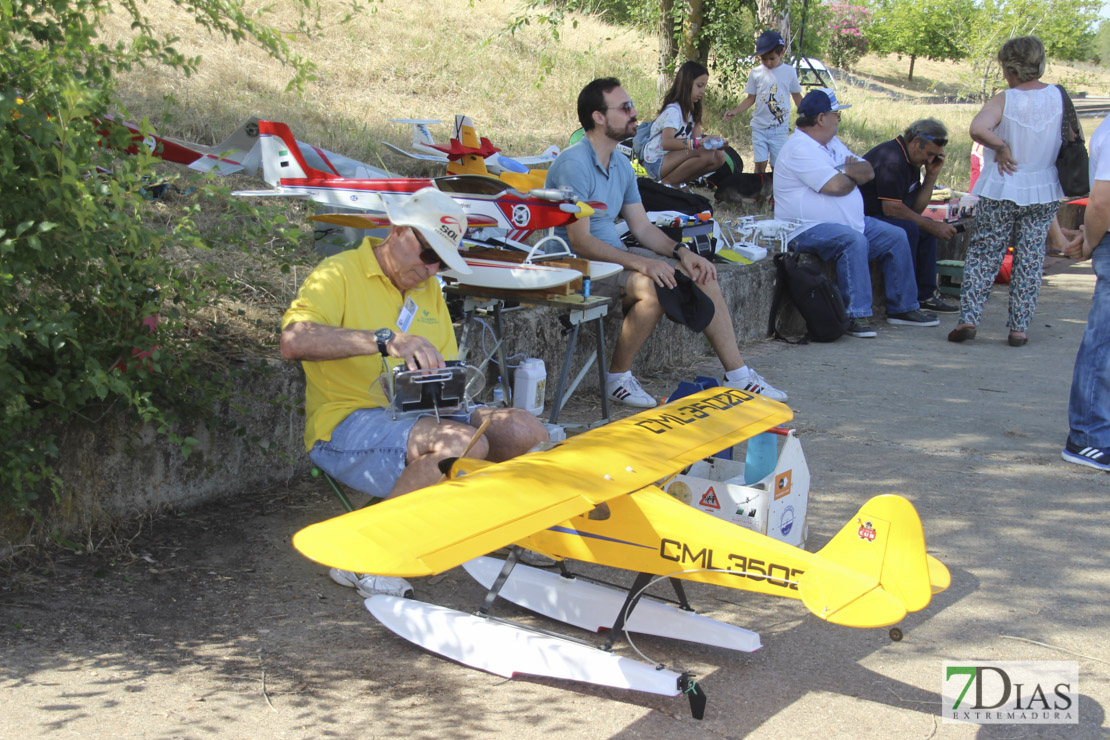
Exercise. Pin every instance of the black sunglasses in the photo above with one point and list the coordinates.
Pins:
(428, 255)
(938, 140)
(627, 107)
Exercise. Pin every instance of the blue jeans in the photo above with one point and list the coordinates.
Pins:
(368, 449)
(1089, 409)
(923, 251)
(851, 251)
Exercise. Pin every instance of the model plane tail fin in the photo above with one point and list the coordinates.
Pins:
(875, 569)
(282, 157)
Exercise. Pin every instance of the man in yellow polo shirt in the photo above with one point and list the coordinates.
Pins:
(381, 304)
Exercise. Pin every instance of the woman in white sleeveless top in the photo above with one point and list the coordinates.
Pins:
(1019, 189)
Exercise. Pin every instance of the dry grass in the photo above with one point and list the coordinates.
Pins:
(940, 78)
(419, 59)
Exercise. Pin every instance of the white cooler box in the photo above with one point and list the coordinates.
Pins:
(774, 506)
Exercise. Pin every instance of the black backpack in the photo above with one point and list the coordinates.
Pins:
(814, 295)
(659, 197)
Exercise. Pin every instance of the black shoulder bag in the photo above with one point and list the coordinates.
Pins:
(1071, 163)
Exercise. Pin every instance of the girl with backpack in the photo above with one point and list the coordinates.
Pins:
(677, 152)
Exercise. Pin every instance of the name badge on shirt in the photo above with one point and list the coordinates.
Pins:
(408, 313)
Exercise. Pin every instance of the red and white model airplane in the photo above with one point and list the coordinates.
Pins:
(285, 167)
(239, 152)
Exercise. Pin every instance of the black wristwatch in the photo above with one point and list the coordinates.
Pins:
(677, 247)
(383, 336)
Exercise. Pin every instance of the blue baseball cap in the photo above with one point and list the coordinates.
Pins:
(820, 100)
(768, 40)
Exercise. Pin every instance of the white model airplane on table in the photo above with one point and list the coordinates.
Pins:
(596, 498)
(486, 270)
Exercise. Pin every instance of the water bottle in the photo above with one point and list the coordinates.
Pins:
(498, 393)
(712, 142)
(762, 454)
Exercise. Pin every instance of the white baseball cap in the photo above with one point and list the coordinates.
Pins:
(439, 219)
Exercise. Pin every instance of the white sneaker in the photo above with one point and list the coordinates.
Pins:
(626, 389)
(368, 585)
(755, 383)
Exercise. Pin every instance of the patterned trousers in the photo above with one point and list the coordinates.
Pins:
(999, 223)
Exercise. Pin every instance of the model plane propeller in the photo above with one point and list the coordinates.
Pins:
(595, 498)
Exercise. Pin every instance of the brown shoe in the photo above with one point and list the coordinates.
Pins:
(961, 334)
(1018, 340)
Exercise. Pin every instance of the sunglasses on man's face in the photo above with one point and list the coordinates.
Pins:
(938, 140)
(628, 106)
(428, 255)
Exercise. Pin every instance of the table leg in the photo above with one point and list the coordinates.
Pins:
(602, 369)
(564, 372)
(502, 368)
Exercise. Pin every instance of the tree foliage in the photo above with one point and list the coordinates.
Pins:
(847, 34)
(1100, 52)
(82, 262)
(921, 28)
(1065, 26)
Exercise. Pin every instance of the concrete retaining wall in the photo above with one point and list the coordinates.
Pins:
(119, 469)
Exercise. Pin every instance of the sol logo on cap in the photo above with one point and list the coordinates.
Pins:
(451, 228)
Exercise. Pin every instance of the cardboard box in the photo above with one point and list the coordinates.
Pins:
(774, 506)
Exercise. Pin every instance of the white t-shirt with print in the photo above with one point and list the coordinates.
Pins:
(669, 117)
(772, 88)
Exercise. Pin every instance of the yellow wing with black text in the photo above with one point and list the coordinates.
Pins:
(436, 528)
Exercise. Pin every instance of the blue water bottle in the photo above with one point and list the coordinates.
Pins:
(762, 454)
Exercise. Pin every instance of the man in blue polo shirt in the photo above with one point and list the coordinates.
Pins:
(594, 170)
(899, 195)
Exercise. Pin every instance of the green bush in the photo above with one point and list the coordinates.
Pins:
(82, 261)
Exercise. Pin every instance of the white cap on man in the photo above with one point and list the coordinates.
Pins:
(439, 219)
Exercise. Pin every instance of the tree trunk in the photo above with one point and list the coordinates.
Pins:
(668, 46)
(692, 31)
(774, 14)
(909, 78)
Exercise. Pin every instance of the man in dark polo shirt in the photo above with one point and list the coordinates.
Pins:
(899, 195)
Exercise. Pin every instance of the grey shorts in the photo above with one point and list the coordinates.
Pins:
(622, 276)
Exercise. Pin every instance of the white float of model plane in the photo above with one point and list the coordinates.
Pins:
(597, 498)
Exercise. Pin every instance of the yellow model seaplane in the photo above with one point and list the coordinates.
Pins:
(598, 498)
